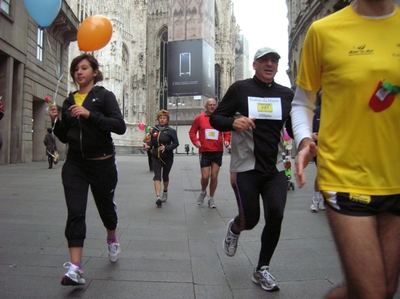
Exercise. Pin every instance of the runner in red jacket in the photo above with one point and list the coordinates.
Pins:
(210, 143)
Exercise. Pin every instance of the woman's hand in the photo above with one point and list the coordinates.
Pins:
(162, 148)
(78, 111)
(53, 112)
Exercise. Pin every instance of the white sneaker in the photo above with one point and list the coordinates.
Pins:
(164, 196)
(73, 277)
(211, 203)
(314, 205)
(265, 279)
(201, 197)
(230, 242)
(321, 205)
(114, 251)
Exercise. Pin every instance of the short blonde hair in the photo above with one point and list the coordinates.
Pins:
(163, 112)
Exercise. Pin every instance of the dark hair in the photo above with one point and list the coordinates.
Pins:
(93, 63)
(49, 130)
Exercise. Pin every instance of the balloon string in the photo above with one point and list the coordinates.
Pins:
(55, 68)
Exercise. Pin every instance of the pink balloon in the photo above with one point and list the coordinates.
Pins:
(141, 126)
(286, 136)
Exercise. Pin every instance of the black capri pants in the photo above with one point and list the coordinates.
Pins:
(165, 168)
(77, 176)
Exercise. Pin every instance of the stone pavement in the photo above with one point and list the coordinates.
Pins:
(168, 253)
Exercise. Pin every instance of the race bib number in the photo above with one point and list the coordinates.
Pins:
(212, 134)
(265, 108)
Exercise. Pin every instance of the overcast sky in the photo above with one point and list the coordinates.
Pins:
(264, 23)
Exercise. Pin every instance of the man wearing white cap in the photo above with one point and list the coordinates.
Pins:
(256, 110)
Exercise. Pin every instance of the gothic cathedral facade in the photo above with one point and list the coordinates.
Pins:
(138, 60)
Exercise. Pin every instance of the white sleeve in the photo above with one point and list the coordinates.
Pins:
(302, 114)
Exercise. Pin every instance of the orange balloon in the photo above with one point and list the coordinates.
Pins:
(94, 33)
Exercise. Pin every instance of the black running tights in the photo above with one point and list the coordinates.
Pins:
(248, 186)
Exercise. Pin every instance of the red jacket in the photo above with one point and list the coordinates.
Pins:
(211, 139)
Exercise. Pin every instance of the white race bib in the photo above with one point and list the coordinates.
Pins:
(212, 134)
(265, 108)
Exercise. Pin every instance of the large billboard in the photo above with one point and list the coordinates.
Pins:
(191, 68)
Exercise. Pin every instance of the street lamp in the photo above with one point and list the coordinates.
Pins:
(176, 105)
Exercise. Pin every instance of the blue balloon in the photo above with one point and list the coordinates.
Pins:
(44, 11)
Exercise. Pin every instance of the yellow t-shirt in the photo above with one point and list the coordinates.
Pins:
(347, 55)
(79, 98)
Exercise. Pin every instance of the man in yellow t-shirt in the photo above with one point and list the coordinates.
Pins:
(354, 55)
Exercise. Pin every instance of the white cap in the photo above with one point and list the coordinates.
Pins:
(264, 51)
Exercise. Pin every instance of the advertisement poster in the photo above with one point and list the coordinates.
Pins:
(191, 68)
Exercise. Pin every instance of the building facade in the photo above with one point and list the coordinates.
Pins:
(34, 63)
(136, 62)
(301, 13)
(242, 58)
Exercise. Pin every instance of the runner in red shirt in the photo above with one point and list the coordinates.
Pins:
(210, 143)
